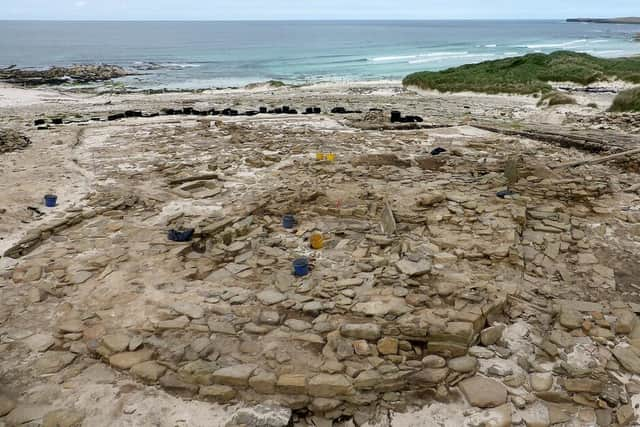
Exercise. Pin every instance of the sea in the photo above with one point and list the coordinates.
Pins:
(197, 55)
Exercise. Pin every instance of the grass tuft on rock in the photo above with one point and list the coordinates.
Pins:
(527, 74)
(627, 101)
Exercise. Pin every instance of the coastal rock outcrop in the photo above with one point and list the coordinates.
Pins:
(60, 75)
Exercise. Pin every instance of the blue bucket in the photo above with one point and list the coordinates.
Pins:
(181, 235)
(50, 200)
(301, 267)
(288, 221)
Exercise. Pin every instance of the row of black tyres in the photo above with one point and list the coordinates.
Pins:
(396, 116)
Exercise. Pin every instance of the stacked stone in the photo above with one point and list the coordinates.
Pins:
(11, 140)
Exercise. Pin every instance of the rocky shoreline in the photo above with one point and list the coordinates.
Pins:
(55, 76)
(629, 20)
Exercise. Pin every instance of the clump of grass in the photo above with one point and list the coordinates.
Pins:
(512, 172)
(556, 98)
(627, 101)
(276, 83)
(528, 74)
(271, 83)
(592, 105)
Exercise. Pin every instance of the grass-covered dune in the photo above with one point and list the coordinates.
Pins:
(628, 100)
(527, 74)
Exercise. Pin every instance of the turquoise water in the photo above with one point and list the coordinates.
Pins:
(221, 54)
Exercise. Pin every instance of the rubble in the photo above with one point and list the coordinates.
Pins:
(11, 140)
(428, 288)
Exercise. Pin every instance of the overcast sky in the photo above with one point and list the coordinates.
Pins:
(313, 9)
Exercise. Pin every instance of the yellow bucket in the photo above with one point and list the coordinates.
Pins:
(331, 157)
(316, 240)
(319, 156)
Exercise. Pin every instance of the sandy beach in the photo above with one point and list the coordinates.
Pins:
(433, 302)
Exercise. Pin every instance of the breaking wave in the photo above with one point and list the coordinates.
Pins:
(553, 45)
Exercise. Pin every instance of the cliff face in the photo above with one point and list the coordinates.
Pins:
(627, 20)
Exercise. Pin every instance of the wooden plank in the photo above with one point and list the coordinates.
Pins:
(596, 161)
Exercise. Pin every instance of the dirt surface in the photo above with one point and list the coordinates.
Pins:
(432, 302)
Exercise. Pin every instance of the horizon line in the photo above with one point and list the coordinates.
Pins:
(284, 20)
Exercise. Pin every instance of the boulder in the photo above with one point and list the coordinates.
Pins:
(583, 385)
(71, 325)
(382, 306)
(536, 415)
(298, 325)
(219, 393)
(128, 359)
(263, 415)
(367, 379)
(626, 321)
(464, 364)
(116, 342)
(149, 370)
(221, 327)
(570, 319)
(234, 375)
(264, 382)
(411, 268)
(429, 376)
(321, 405)
(292, 383)
(53, 361)
(365, 331)
(388, 345)
(433, 361)
(193, 311)
(39, 342)
(541, 381)
(483, 392)
(495, 417)
(429, 200)
(269, 317)
(270, 297)
(628, 358)
(491, 335)
(625, 415)
(326, 385)
(174, 382)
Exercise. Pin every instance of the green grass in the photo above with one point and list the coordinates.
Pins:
(276, 83)
(527, 74)
(271, 83)
(556, 98)
(628, 100)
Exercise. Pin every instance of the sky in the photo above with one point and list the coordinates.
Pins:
(311, 9)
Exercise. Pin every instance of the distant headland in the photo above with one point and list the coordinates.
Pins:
(628, 20)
